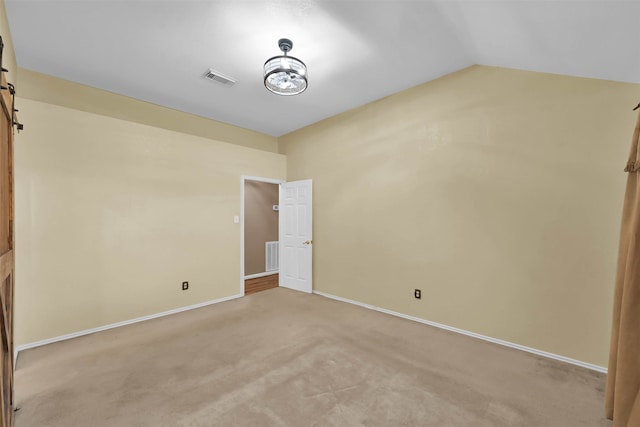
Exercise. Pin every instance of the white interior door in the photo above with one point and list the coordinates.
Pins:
(295, 235)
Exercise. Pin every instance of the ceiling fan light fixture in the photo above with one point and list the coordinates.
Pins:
(283, 74)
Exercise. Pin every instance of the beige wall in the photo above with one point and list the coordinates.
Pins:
(52, 90)
(497, 192)
(260, 223)
(113, 215)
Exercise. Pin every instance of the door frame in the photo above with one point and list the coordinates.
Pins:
(244, 178)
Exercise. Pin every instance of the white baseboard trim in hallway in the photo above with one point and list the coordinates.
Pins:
(19, 348)
(470, 334)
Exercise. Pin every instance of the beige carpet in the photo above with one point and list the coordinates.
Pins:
(282, 358)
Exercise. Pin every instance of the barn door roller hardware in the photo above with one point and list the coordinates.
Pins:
(14, 119)
(4, 70)
(12, 90)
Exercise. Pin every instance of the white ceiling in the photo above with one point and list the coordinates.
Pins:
(356, 51)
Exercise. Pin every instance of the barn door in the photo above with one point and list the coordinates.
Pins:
(6, 254)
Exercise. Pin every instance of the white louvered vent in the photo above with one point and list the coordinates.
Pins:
(272, 258)
(219, 78)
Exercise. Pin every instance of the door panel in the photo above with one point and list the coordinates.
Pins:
(296, 235)
(7, 260)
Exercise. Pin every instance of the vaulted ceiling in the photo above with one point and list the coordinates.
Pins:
(356, 51)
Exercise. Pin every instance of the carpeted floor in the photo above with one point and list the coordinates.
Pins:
(282, 358)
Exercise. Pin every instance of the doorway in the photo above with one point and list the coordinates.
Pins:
(294, 244)
(260, 230)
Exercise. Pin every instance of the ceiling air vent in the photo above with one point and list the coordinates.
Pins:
(219, 78)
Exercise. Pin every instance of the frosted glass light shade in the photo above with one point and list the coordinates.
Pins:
(285, 75)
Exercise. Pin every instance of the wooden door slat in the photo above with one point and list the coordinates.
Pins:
(6, 265)
(4, 328)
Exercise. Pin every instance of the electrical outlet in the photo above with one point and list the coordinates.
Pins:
(185, 286)
(417, 293)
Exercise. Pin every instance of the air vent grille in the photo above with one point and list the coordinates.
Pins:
(219, 78)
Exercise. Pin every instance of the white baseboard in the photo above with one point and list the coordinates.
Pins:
(117, 325)
(471, 334)
(266, 273)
